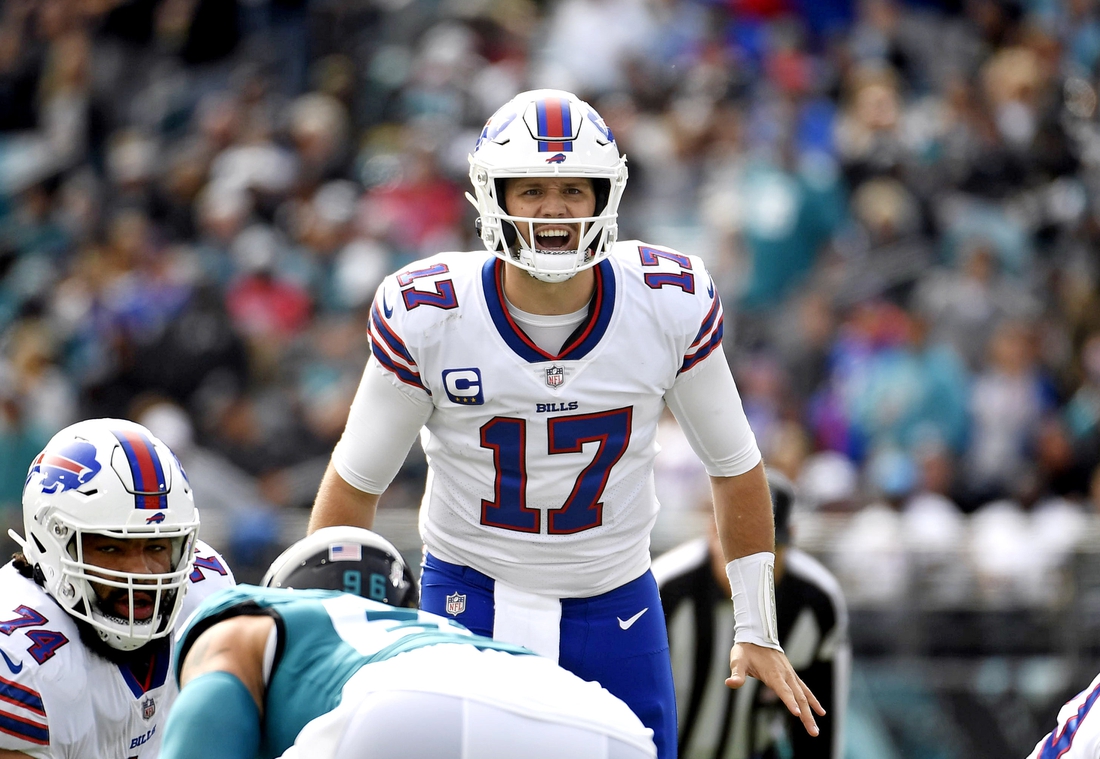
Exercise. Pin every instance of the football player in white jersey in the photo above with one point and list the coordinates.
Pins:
(1077, 735)
(538, 371)
(109, 563)
(332, 661)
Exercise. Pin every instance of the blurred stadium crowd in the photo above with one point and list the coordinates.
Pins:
(898, 202)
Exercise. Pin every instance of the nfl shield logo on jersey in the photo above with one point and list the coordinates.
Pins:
(555, 375)
(148, 708)
(456, 603)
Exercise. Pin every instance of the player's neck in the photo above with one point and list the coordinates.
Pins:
(548, 298)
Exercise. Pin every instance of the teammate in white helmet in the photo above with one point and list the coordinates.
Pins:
(538, 370)
(110, 562)
(332, 661)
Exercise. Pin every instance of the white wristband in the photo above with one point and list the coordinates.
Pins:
(752, 585)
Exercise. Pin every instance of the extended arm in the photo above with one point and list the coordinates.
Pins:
(382, 425)
(218, 712)
(708, 407)
(743, 512)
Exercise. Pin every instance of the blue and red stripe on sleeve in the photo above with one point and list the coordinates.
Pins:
(23, 721)
(1059, 742)
(390, 351)
(707, 339)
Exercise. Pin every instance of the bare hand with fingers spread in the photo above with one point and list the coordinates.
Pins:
(771, 667)
(756, 651)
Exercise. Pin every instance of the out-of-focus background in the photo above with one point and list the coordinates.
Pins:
(899, 202)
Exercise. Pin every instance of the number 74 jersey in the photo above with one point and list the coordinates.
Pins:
(59, 700)
(540, 464)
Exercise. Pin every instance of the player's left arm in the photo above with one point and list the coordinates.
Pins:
(708, 407)
(219, 710)
(742, 510)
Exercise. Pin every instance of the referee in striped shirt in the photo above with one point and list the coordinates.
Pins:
(716, 722)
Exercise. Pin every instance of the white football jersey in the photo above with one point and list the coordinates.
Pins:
(541, 465)
(1078, 733)
(59, 700)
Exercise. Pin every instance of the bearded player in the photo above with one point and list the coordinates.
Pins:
(110, 562)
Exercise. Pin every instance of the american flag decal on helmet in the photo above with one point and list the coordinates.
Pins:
(150, 481)
(554, 118)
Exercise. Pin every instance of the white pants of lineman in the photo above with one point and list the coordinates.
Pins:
(456, 702)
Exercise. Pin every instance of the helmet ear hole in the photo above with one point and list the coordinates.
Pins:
(510, 235)
(499, 186)
(602, 188)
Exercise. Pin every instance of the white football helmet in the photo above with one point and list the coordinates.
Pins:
(546, 133)
(109, 477)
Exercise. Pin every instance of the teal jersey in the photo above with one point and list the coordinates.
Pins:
(325, 637)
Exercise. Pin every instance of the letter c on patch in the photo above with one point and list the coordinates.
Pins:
(463, 386)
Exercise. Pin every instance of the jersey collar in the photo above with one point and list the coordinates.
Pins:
(580, 343)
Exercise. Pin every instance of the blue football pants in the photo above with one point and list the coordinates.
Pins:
(603, 638)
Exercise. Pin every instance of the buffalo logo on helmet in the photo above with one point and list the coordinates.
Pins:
(493, 128)
(67, 469)
(156, 518)
(559, 158)
(597, 120)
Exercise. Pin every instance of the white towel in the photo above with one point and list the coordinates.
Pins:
(527, 619)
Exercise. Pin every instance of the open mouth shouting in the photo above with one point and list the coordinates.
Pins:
(557, 237)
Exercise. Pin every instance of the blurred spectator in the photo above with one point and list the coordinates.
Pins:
(319, 131)
(1010, 397)
(20, 69)
(1082, 411)
(785, 213)
(682, 486)
(909, 389)
(869, 136)
(418, 212)
(964, 302)
(230, 497)
(589, 44)
(889, 386)
(265, 305)
(19, 433)
(222, 213)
